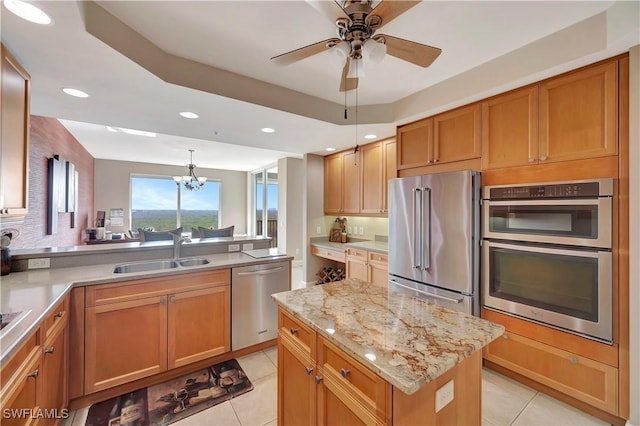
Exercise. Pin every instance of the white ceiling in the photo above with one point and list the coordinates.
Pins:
(213, 58)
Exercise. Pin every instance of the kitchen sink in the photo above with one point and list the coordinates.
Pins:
(10, 319)
(193, 262)
(153, 265)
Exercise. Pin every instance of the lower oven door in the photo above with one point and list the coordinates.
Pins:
(566, 288)
(449, 299)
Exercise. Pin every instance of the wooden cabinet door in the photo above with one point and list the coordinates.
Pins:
(415, 144)
(510, 129)
(55, 370)
(579, 114)
(333, 183)
(357, 264)
(125, 341)
(378, 268)
(14, 136)
(332, 409)
(372, 173)
(198, 325)
(26, 395)
(389, 169)
(456, 134)
(296, 386)
(350, 182)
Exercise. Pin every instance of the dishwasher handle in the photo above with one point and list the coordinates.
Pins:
(261, 272)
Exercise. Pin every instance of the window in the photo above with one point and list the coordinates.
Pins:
(161, 204)
(265, 203)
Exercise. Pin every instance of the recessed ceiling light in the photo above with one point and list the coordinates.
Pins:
(330, 149)
(75, 92)
(187, 114)
(371, 136)
(28, 11)
(111, 129)
(268, 130)
(137, 132)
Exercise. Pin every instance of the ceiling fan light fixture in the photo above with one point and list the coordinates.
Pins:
(374, 51)
(356, 69)
(339, 54)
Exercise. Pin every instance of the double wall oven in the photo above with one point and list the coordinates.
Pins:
(547, 254)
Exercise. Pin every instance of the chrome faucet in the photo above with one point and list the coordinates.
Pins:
(177, 242)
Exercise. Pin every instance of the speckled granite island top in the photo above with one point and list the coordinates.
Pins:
(406, 341)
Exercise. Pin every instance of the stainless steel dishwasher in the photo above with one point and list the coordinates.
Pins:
(254, 314)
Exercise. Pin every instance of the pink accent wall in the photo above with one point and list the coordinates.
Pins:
(47, 138)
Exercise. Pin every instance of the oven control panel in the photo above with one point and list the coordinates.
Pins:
(563, 190)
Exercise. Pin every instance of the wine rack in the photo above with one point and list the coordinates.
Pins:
(330, 274)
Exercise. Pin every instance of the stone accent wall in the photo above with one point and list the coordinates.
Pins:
(48, 137)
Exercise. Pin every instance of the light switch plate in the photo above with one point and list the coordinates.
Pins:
(444, 395)
(248, 246)
(234, 247)
(39, 263)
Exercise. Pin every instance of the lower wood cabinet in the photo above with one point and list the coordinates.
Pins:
(582, 378)
(367, 266)
(139, 328)
(35, 379)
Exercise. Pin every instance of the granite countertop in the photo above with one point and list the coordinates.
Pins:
(369, 245)
(36, 292)
(406, 341)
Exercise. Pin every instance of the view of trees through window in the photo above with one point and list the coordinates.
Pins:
(156, 201)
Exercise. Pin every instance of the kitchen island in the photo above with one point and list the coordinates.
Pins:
(354, 353)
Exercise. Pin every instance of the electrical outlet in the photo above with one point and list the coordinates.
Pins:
(248, 246)
(297, 251)
(349, 230)
(42, 262)
(361, 230)
(234, 247)
(318, 230)
(444, 395)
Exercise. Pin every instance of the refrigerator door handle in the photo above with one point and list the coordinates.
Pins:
(418, 226)
(426, 215)
(433, 295)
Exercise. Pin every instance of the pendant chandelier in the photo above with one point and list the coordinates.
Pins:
(191, 181)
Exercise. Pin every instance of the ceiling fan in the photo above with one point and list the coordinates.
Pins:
(357, 24)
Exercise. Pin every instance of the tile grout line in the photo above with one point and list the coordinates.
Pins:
(524, 408)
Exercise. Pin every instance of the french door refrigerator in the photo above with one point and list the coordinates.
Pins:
(434, 238)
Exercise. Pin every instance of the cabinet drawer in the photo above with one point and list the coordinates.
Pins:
(357, 253)
(340, 368)
(299, 331)
(378, 258)
(581, 378)
(58, 315)
(152, 287)
(17, 361)
(336, 255)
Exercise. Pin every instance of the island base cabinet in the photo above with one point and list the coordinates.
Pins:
(581, 378)
(296, 386)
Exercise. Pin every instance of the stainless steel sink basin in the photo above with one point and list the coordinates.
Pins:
(193, 262)
(153, 265)
(10, 319)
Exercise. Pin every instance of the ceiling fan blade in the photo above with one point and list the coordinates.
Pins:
(410, 51)
(303, 52)
(347, 84)
(329, 8)
(389, 10)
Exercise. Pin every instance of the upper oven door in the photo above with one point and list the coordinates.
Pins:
(575, 222)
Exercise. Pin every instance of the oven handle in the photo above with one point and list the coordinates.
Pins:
(536, 249)
(556, 202)
(435, 296)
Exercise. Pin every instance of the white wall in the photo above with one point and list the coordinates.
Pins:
(313, 208)
(290, 199)
(112, 189)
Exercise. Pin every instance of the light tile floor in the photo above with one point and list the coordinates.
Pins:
(504, 402)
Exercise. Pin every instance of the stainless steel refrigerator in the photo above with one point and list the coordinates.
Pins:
(434, 238)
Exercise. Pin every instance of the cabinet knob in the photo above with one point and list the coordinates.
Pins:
(317, 380)
(60, 314)
(573, 360)
(543, 158)
(308, 370)
(34, 373)
(531, 159)
(172, 299)
(293, 330)
(163, 301)
(344, 372)
(49, 350)
(505, 336)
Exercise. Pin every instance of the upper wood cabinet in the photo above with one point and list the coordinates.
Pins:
(510, 129)
(456, 135)
(14, 137)
(447, 137)
(377, 166)
(333, 183)
(390, 171)
(579, 114)
(342, 183)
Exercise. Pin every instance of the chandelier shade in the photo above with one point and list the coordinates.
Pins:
(190, 181)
